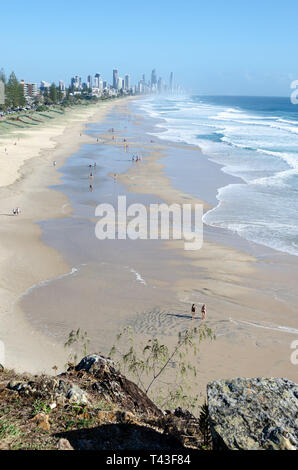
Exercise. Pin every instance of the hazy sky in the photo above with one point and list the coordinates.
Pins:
(245, 47)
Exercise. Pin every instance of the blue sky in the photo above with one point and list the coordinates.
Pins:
(244, 47)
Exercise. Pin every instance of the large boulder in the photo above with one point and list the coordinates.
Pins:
(112, 386)
(253, 414)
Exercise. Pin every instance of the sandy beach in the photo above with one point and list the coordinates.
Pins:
(27, 173)
(250, 293)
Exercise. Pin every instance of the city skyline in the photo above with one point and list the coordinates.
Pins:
(96, 85)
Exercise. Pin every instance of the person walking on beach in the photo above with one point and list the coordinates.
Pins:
(193, 310)
(91, 188)
(203, 311)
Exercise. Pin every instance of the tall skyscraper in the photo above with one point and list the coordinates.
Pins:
(96, 80)
(171, 82)
(159, 85)
(89, 81)
(61, 85)
(115, 79)
(153, 78)
(76, 82)
(120, 83)
(127, 82)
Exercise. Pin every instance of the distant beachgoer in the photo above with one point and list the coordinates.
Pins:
(193, 310)
(91, 175)
(203, 311)
(54, 163)
(94, 164)
(91, 188)
(14, 211)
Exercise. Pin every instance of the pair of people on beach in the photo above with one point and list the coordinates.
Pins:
(203, 311)
(16, 211)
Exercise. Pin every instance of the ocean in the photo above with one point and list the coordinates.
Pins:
(252, 138)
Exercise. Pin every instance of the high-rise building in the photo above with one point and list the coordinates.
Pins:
(30, 89)
(153, 78)
(96, 80)
(171, 82)
(120, 83)
(76, 82)
(159, 85)
(89, 81)
(44, 85)
(61, 85)
(127, 82)
(115, 78)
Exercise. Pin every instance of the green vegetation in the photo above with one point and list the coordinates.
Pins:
(148, 363)
(81, 341)
(7, 429)
(39, 406)
(14, 93)
(48, 97)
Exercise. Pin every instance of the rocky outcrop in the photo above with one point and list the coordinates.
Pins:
(112, 386)
(253, 414)
(104, 410)
(94, 406)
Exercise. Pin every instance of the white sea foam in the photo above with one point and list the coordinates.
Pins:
(262, 149)
(48, 281)
(138, 277)
(281, 329)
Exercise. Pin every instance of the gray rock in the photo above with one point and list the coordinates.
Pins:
(88, 362)
(112, 386)
(17, 386)
(77, 395)
(1, 368)
(253, 414)
(64, 444)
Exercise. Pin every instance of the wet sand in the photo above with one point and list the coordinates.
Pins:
(27, 174)
(250, 292)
